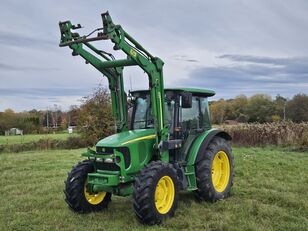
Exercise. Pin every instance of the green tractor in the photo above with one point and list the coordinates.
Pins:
(169, 144)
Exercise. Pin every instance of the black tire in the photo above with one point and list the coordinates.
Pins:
(74, 190)
(206, 190)
(144, 190)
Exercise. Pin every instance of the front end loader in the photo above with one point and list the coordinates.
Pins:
(168, 146)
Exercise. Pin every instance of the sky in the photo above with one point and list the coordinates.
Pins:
(231, 46)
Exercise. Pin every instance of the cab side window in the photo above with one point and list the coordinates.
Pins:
(190, 116)
(204, 113)
(169, 112)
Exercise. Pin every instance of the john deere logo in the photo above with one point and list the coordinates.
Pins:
(133, 52)
(103, 149)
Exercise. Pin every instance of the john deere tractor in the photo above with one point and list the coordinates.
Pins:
(169, 144)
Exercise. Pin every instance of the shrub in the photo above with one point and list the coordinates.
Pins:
(277, 133)
(95, 116)
(46, 144)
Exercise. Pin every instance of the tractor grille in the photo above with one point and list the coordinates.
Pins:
(104, 150)
(108, 151)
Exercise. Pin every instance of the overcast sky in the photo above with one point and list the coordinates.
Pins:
(231, 46)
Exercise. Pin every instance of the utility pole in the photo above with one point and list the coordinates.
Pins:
(47, 120)
(56, 115)
(69, 118)
(284, 110)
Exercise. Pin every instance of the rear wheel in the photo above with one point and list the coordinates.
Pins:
(78, 198)
(214, 172)
(156, 193)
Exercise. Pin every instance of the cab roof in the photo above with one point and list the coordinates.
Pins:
(194, 91)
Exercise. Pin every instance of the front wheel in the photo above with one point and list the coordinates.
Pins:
(156, 193)
(76, 194)
(214, 172)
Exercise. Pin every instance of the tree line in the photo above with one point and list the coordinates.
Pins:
(35, 121)
(260, 108)
(94, 116)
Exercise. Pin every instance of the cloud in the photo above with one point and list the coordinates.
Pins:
(253, 74)
(40, 98)
(290, 65)
(265, 60)
(7, 67)
(44, 92)
(184, 58)
(201, 42)
(18, 40)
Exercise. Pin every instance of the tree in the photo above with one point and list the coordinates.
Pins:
(7, 120)
(3, 124)
(260, 108)
(72, 115)
(297, 108)
(46, 122)
(56, 116)
(95, 116)
(218, 111)
(28, 121)
(236, 108)
(279, 107)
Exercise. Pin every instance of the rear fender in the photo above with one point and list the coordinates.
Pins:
(202, 142)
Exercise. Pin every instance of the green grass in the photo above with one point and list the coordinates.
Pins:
(32, 137)
(269, 193)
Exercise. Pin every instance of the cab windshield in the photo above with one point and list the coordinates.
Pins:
(143, 117)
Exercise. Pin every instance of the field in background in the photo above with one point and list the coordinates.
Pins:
(269, 193)
(7, 140)
(15, 144)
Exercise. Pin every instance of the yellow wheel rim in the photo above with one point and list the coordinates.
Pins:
(94, 199)
(164, 194)
(220, 171)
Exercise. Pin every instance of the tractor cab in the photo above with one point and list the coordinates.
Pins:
(186, 115)
(186, 110)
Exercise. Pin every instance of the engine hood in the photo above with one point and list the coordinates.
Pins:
(128, 137)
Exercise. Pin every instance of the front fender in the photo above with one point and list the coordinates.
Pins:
(202, 142)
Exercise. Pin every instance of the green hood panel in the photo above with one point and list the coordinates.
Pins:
(128, 137)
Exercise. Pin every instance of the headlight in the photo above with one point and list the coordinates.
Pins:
(108, 160)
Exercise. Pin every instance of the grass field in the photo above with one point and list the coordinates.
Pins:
(32, 137)
(269, 193)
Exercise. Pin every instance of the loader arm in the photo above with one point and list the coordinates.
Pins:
(113, 70)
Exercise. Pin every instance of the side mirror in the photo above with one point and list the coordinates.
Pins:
(186, 100)
(130, 102)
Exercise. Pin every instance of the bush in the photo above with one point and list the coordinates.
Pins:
(95, 116)
(46, 144)
(278, 133)
(76, 142)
